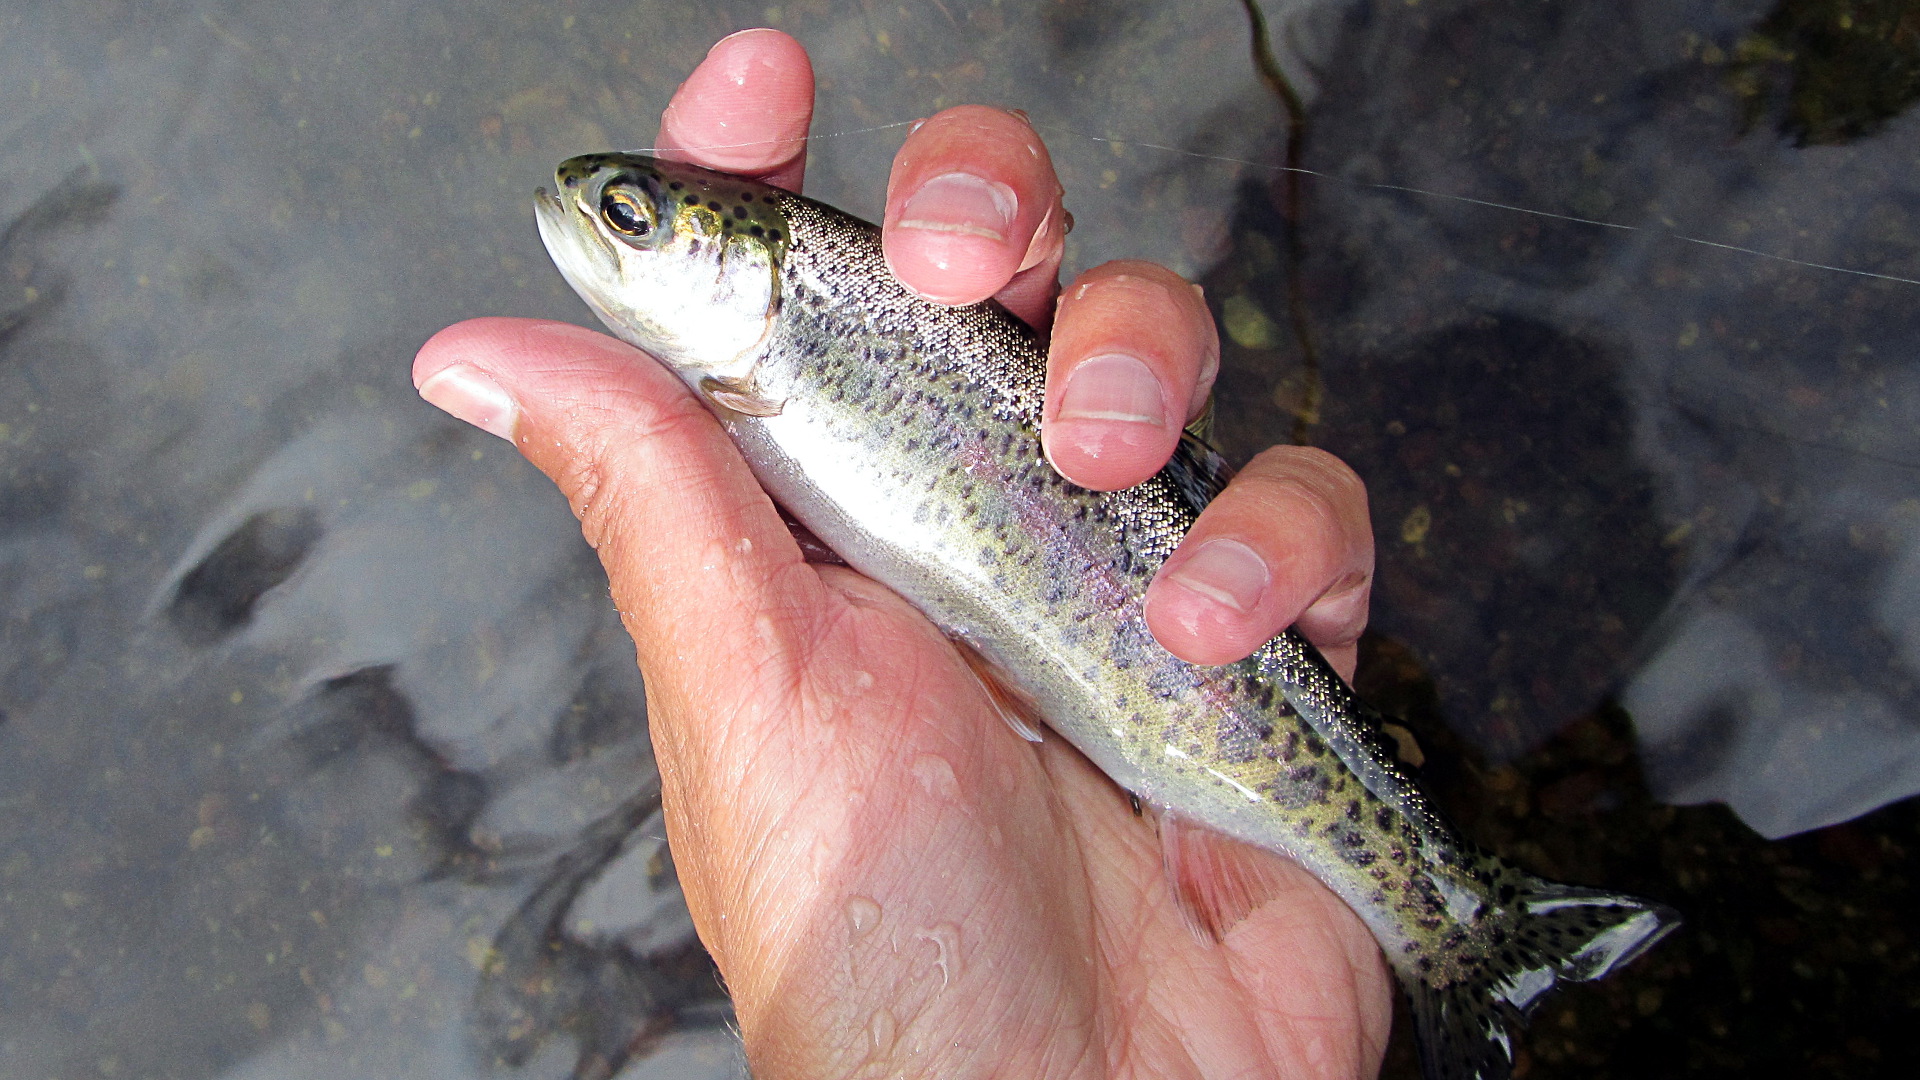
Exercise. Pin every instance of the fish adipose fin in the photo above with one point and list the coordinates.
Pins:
(1216, 880)
(1491, 980)
(1197, 471)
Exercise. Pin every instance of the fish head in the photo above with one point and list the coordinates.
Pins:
(681, 261)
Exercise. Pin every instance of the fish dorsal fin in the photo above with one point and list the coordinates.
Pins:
(1013, 706)
(1197, 471)
(1216, 880)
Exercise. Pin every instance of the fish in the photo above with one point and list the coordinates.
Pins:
(905, 435)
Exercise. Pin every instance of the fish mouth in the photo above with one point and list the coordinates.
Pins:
(547, 207)
(570, 236)
(579, 252)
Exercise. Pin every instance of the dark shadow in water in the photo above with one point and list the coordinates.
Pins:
(542, 981)
(1520, 556)
(604, 713)
(217, 597)
(363, 713)
(1830, 71)
(78, 201)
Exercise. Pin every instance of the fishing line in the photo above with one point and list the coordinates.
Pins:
(1364, 185)
(1451, 197)
(812, 137)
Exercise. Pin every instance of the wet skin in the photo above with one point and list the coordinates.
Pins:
(892, 882)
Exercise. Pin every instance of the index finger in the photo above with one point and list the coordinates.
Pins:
(744, 110)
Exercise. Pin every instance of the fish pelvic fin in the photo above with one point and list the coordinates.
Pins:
(1216, 880)
(1467, 1006)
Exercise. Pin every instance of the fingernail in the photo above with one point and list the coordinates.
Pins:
(467, 393)
(959, 202)
(1114, 386)
(1225, 571)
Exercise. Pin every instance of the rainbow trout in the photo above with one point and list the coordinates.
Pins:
(906, 435)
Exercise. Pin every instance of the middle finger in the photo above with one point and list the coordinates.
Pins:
(973, 205)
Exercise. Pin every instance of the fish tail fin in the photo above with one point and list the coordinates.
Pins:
(1540, 935)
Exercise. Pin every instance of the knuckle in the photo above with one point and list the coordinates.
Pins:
(1311, 474)
(591, 474)
(1137, 281)
(1302, 490)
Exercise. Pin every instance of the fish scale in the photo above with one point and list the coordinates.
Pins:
(906, 436)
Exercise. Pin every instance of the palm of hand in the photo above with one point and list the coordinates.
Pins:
(909, 880)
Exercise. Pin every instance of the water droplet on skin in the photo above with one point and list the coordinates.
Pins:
(862, 681)
(945, 941)
(825, 855)
(863, 914)
(881, 1032)
(745, 545)
(936, 776)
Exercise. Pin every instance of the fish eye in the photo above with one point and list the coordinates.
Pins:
(626, 212)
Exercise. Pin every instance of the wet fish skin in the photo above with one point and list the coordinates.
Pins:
(906, 436)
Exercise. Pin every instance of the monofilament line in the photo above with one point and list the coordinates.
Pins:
(1427, 193)
(1332, 178)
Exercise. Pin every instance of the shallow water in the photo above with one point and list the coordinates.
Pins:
(320, 744)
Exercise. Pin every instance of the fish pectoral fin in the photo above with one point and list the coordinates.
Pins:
(1013, 706)
(735, 395)
(1216, 880)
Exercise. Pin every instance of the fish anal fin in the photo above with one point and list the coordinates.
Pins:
(812, 548)
(735, 395)
(1013, 706)
(1216, 880)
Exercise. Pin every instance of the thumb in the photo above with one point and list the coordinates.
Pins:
(693, 548)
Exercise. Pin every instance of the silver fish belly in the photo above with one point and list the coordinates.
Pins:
(906, 436)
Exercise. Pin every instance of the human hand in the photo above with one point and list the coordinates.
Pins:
(890, 880)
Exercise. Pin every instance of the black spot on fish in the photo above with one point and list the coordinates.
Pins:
(693, 200)
(1383, 817)
(756, 230)
(675, 186)
(773, 234)
(1290, 748)
(740, 212)
(1353, 811)
(713, 206)
(1239, 739)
